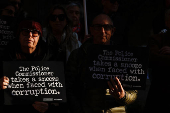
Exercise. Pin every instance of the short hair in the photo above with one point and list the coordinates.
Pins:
(76, 3)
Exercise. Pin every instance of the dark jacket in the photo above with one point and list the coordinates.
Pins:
(13, 53)
(84, 99)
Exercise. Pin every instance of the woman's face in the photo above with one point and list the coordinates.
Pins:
(57, 20)
(29, 38)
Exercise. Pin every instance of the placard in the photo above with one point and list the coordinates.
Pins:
(34, 81)
(7, 25)
(129, 64)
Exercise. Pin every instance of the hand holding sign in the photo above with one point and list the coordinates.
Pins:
(4, 81)
(165, 50)
(116, 89)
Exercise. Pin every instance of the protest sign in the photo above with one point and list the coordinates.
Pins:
(129, 64)
(35, 81)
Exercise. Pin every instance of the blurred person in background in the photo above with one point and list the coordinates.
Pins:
(60, 37)
(75, 13)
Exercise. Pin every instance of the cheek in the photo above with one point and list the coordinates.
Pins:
(36, 40)
(64, 23)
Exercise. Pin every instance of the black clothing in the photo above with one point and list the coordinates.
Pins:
(42, 53)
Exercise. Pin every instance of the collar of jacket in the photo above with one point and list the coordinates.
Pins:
(87, 44)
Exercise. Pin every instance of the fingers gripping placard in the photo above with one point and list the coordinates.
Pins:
(129, 64)
(36, 81)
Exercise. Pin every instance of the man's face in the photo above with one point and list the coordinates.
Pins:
(110, 5)
(102, 30)
(74, 14)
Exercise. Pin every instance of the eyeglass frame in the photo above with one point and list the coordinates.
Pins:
(102, 26)
(57, 16)
(21, 31)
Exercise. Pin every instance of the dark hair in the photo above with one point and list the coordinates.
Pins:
(30, 24)
(67, 28)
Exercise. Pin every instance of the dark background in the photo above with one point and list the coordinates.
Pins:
(139, 16)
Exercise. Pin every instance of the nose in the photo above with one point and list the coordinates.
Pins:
(30, 34)
(103, 30)
(57, 19)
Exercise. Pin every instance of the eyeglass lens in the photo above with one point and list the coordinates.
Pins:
(26, 32)
(61, 17)
(106, 27)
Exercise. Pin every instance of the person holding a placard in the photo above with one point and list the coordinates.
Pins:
(28, 46)
(82, 96)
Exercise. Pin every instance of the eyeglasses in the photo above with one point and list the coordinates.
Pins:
(99, 27)
(9, 11)
(26, 32)
(61, 17)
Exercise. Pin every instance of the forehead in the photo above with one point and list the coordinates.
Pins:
(58, 11)
(73, 8)
(102, 19)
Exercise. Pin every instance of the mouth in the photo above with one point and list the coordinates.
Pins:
(102, 37)
(29, 41)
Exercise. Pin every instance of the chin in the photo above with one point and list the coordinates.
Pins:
(30, 46)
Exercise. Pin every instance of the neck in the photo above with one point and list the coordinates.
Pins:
(28, 50)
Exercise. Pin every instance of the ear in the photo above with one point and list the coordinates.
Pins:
(113, 30)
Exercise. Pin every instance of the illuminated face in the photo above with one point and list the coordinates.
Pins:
(29, 38)
(74, 14)
(8, 11)
(102, 29)
(57, 20)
